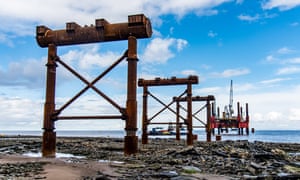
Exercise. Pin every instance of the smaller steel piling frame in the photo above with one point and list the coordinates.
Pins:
(209, 111)
(138, 26)
(167, 82)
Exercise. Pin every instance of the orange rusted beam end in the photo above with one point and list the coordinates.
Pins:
(138, 26)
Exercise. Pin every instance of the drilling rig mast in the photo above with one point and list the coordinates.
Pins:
(229, 109)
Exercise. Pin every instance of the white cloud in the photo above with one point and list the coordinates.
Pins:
(283, 55)
(256, 17)
(181, 43)
(273, 116)
(270, 58)
(180, 8)
(295, 60)
(272, 81)
(288, 70)
(91, 58)
(208, 90)
(248, 18)
(189, 72)
(6, 40)
(246, 87)
(21, 17)
(282, 5)
(92, 105)
(20, 113)
(232, 72)
(285, 50)
(160, 50)
(212, 34)
(294, 114)
(29, 73)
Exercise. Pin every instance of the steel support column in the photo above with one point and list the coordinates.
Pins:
(49, 136)
(177, 121)
(239, 119)
(247, 119)
(208, 128)
(189, 137)
(131, 140)
(145, 117)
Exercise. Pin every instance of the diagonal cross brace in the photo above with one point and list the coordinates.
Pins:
(166, 106)
(91, 84)
(194, 114)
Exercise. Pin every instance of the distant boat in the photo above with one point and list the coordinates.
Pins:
(159, 131)
(182, 131)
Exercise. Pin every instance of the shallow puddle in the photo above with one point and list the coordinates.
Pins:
(57, 155)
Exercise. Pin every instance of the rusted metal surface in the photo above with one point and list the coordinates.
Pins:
(208, 128)
(49, 136)
(208, 107)
(49, 144)
(138, 26)
(196, 98)
(171, 81)
(166, 82)
(189, 120)
(177, 120)
(131, 140)
(145, 116)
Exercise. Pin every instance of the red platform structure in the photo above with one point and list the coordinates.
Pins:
(227, 122)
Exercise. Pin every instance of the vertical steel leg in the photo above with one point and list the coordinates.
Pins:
(49, 136)
(145, 116)
(131, 140)
(189, 116)
(208, 129)
(247, 119)
(177, 121)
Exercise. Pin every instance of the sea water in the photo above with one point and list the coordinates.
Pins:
(283, 136)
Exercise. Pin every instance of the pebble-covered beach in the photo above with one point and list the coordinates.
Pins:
(103, 158)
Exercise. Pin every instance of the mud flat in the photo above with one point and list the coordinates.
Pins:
(102, 158)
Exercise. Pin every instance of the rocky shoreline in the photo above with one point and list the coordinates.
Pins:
(160, 159)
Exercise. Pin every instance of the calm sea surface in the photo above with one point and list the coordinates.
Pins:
(289, 136)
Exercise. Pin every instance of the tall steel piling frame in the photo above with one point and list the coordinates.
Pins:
(138, 26)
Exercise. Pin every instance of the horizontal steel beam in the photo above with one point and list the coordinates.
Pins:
(89, 117)
(196, 98)
(171, 81)
(165, 123)
(138, 26)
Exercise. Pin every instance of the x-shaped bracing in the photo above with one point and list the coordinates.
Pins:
(91, 85)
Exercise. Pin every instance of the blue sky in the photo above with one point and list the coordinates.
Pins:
(254, 43)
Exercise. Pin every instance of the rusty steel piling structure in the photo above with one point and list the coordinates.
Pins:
(138, 26)
(209, 111)
(167, 82)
